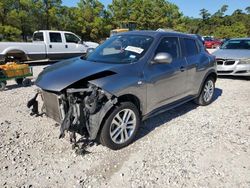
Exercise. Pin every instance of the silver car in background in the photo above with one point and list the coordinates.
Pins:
(233, 58)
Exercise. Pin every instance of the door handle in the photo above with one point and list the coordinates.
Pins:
(182, 69)
(66, 46)
(50, 46)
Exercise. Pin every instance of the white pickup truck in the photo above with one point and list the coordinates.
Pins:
(47, 45)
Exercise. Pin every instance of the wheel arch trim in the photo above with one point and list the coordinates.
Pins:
(209, 73)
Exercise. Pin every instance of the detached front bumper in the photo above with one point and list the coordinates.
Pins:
(232, 67)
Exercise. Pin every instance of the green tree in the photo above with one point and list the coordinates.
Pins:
(51, 9)
(90, 19)
(247, 10)
(221, 11)
(148, 14)
(204, 14)
(235, 30)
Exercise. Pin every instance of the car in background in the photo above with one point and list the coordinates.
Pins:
(233, 57)
(224, 40)
(46, 45)
(210, 42)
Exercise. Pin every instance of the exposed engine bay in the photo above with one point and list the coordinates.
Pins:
(77, 110)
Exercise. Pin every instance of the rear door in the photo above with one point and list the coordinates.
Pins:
(56, 46)
(38, 38)
(195, 61)
(166, 83)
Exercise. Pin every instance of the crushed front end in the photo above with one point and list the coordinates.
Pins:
(78, 110)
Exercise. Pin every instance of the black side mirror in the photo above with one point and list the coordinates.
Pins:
(163, 58)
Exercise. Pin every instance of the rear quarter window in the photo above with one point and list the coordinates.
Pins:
(190, 47)
(38, 36)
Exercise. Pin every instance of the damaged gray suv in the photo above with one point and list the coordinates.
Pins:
(104, 95)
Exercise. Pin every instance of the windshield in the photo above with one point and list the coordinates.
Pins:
(236, 44)
(121, 49)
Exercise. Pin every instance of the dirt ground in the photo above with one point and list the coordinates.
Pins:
(189, 146)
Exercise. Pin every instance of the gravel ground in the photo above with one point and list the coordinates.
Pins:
(189, 146)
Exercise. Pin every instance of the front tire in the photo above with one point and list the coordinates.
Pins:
(121, 126)
(207, 92)
(19, 81)
(26, 82)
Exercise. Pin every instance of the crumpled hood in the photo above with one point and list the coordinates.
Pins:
(61, 75)
(232, 54)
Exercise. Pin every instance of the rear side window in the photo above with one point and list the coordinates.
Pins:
(169, 45)
(38, 36)
(55, 37)
(191, 47)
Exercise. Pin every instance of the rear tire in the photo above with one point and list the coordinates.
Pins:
(120, 127)
(207, 92)
(2, 85)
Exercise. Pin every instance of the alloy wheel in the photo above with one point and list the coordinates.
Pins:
(208, 91)
(123, 126)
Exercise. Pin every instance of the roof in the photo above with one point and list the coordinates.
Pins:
(53, 31)
(158, 33)
(240, 39)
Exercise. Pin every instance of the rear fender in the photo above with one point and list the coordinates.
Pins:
(16, 50)
(209, 73)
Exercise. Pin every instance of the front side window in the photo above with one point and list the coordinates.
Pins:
(191, 48)
(121, 49)
(38, 36)
(55, 37)
(169, 45)
(70, 38)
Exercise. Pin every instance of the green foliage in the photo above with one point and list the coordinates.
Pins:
(147, 14)
(91, 21)
(221, 25)
(235, 30)
(10, 33)
(204, 14)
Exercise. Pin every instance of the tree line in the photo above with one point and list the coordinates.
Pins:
(92, 21)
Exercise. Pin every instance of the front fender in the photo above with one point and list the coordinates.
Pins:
(119, 85)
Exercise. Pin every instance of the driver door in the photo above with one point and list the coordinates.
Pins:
(166, 83)
(73, 45)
